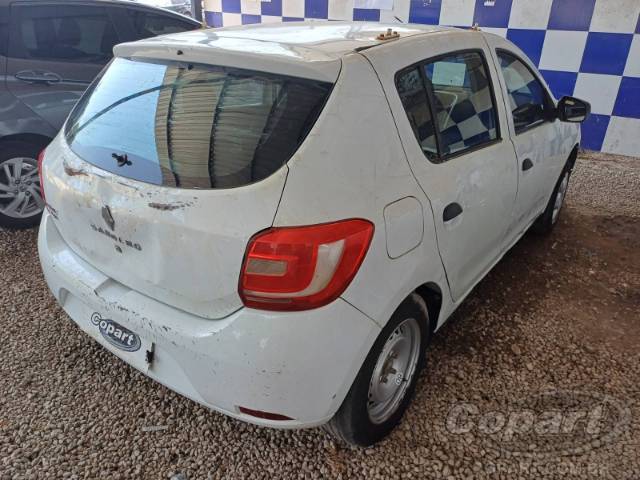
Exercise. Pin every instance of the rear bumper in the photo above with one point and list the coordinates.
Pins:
(298, 364)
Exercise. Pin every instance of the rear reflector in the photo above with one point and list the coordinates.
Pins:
(40, 158)
(264, 415)
(300, 268)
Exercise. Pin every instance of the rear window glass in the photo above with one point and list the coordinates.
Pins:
(190, 125)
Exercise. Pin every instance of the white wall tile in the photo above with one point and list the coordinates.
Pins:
(533, 15)
(632, 69)
(293, 8)
(622, 136)
(496, 31)
(457, 12)
(231, 19)
(341, 10)
(213, 5)
(400, 10)
(562, 50)
(251, 7)
(599, 90)
(617, 16)
(271, 19)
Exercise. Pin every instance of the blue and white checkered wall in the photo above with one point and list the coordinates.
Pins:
(586, 48)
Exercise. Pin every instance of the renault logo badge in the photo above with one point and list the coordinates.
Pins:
(108, 218)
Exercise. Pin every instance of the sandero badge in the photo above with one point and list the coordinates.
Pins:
(117, 335)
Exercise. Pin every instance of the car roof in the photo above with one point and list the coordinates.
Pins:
(301, 46)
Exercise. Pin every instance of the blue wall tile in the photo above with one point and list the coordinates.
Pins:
(366, 14)
(571, 14)
(316, 8)
(425, 11)
(231, 6)
(594, 129)
(249, 19)
(213, 19)
(628, 100)
(274, 7)
(606, 53)
(492, 16)
(529, 41)
(561, 83)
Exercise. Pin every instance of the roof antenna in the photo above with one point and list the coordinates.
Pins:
(399, 21)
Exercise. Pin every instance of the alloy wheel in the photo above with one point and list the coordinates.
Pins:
(20, 195)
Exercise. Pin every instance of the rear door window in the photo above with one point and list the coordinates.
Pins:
(450, 104)
(416, 103)
(464, 107)
(193, 126)
(69, 33)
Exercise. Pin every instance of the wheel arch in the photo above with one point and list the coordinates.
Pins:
(431, 293)
(573, 156)
(33, 138)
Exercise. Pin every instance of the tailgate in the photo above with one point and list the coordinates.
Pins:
(183, 247)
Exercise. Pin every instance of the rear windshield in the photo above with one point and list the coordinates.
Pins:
(190, 125)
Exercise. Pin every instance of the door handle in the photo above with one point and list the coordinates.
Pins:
(38, 77)
(527, 164)
(451, 211)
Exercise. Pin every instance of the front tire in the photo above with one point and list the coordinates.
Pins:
(544, 223)
(386, 381)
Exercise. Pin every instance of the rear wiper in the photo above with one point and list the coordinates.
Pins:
(121, 159)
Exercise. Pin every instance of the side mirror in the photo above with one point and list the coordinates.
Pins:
(571, 109)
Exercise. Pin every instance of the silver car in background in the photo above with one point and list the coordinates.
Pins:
(49, 53)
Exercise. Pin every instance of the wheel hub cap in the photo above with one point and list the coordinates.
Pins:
(394, 371)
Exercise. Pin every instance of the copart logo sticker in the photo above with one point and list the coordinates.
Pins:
(117, 335)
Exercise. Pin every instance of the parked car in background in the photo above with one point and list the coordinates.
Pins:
(273, 220)
(49, 53)
(182, 7)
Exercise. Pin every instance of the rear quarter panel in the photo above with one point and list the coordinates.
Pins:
(352, 165)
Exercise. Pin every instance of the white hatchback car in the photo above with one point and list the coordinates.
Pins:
(272, 220)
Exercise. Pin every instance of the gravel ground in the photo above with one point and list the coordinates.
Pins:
(553, 330)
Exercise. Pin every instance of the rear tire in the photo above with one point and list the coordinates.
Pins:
(21, 204)
(385, 384)
(547, 220)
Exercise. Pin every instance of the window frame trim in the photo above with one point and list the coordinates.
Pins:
(549, 98)
(420, 64)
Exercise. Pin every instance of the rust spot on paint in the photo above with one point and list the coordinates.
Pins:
(73, 172)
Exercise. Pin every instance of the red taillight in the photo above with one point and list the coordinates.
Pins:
(264, 415)
(40, 158)
(299, 268)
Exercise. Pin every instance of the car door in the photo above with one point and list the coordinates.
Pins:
(450, 116)
(536, 134)
(55, 51)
